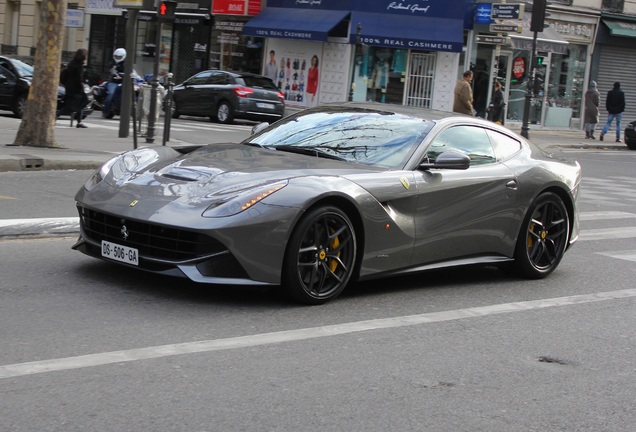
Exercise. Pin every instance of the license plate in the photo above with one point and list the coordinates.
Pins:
(264, 105)
(120, 253)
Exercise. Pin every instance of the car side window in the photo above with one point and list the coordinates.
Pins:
(473, 141)
(6, 73)
(504, 145)
(218, 78)
(200, 79)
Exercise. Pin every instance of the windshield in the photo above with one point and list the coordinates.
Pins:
(25, 70)
(376, 138)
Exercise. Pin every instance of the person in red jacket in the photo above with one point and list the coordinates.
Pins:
(312, 78)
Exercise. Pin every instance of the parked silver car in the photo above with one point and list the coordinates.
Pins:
(224, 96)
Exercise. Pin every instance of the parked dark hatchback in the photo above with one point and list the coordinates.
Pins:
(16, 73)
(630, 135)
(15, 80)
(224, 96)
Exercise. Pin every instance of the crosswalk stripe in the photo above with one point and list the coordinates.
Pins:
(608, 233)
(629, 255)
(602, 215)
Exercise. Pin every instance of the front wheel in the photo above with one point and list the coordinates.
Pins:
(320, 256)
(543, 237)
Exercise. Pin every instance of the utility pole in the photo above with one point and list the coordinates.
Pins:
(537, 24)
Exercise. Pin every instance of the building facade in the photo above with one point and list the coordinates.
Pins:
(409, 53)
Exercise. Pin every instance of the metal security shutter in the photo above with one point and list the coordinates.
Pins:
(615, 65)
(419, 91)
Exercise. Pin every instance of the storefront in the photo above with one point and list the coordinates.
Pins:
(563, 52)
(362, 50)
(615, 60)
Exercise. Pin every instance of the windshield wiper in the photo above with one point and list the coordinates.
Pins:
(310, 151)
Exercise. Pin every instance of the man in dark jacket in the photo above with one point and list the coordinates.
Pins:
(615, 105)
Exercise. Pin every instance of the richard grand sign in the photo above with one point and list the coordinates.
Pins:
(430, 8)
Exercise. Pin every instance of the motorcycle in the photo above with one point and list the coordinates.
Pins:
(100, 93)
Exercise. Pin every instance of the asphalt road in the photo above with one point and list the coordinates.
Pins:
(91, 346)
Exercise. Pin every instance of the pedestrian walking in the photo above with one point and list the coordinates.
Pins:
(592, 101)
(75, 99)
(463, 101)
(498, 104)
(615, 105)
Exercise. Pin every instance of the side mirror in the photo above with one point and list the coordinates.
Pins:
(259, 127)
(449, 159)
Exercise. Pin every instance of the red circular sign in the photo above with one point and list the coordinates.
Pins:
(519, 67)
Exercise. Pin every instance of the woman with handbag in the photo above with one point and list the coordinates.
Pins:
(75, 99)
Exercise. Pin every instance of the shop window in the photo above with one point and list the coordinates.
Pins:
(379, 75)
(613, 5)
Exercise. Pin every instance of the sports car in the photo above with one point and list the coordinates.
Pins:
(335, 194)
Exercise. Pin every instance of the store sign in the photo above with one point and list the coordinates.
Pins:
(236, 7)
(74, 18)
(519, 67)
(573, 31)
(482, 13)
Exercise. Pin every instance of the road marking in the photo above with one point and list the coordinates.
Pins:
(628, 255)
(608, 233)
(7, 197)
(603, 215)
(13, 227)
(138, 354)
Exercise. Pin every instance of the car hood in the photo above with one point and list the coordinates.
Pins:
(213, 173)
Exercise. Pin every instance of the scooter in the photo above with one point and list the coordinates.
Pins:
(100, 93)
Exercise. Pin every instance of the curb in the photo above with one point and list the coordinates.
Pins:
(39, 227)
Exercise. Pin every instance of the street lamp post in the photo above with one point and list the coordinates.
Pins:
(353, 66)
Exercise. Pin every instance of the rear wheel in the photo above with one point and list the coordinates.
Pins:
(224, 113)
(543, 237)
(174, 112)
(320, 257)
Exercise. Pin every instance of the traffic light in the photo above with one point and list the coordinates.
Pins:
(537, 24)
(539, 61)
(166, 10)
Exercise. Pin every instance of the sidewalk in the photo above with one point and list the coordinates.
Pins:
(90, 148)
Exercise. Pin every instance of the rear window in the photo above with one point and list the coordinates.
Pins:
(257, 82)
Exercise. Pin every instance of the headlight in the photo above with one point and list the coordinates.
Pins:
(125, 165)
(230, 204)
(100, 174)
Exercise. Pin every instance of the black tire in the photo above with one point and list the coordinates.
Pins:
(224, 113)
(20, 103)
(174, 112)
(630, 143)
(543, 237)
(321, 256)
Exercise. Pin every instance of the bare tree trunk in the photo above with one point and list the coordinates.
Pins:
(38, 122)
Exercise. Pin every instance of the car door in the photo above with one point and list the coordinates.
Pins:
(7, 88)
(189, 97)
(216, 89)
(465, 213)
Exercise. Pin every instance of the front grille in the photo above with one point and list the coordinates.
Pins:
(151, 240)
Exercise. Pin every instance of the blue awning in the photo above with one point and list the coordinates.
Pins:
(305, 24)
(408, 32)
